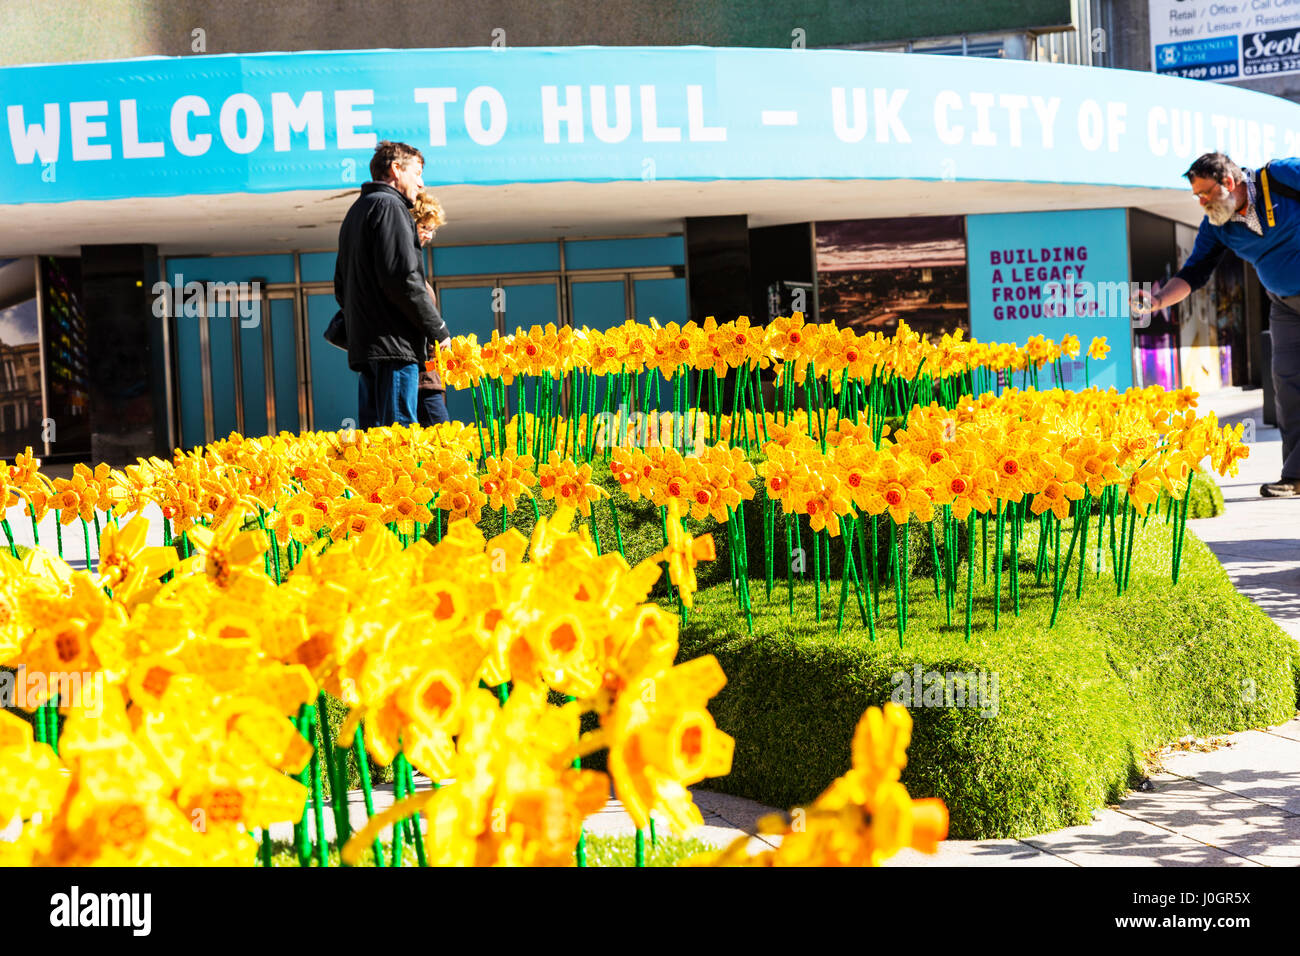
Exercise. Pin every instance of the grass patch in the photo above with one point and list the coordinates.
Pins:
(1206, 500)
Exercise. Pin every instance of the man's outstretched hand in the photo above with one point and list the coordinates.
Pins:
(1142, 303)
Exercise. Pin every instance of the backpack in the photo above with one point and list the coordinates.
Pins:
(1282, 189)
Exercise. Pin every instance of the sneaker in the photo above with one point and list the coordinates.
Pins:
(1286, 488)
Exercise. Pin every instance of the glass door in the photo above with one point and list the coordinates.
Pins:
(331, 385)
(238, 367)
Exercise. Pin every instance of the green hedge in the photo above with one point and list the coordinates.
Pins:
(1076, 704)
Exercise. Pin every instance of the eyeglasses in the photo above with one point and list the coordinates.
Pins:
(1208, 193)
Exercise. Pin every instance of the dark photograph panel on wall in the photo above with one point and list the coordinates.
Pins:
(67, 359)
(20, 359)
(872, 273)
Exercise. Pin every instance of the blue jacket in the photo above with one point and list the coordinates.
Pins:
(1275, 255)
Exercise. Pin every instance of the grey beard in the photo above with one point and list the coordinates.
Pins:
(1220, 212)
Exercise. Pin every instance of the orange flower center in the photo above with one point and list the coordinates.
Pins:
(674, 488)
(702, 496)
(226, 805)
(894, 495)
(1010, 467)
(855, 479)
(564, 638)
(693, 741)
(958, 485)
(437, 697)
(68, 646)
(155, 682)
(127, 824)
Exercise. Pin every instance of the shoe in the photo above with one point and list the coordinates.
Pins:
(1286, 488)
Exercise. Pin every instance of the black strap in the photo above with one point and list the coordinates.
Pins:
(1282, 189)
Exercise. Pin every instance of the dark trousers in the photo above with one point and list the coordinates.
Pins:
(386, 394)
(433, 408)
(1284, 331)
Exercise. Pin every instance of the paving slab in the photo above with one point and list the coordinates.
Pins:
(1261, 766)
(1116, 839)
(1236, 824)
(1290, 730)
(979, 853)
(741, 813)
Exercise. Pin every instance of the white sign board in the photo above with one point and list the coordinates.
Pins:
(1225, 39)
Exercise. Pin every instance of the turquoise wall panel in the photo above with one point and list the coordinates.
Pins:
(624, 253)
(221, 348)
(284, 365)
(253, 371)
(269, 268)
(501, 259)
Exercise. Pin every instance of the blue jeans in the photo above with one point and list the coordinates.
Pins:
(433, 408)
(386, 394)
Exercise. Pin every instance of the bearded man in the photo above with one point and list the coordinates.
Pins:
(1256, 214)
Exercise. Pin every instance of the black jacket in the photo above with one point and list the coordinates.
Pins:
(379, 282)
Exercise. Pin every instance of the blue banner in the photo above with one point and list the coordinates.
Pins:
(1211, 59)
(288, 121)
(1054, 274)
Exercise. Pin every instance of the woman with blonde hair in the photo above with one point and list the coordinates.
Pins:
(431, 404)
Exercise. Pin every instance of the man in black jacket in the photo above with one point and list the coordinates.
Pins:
(380, 286)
